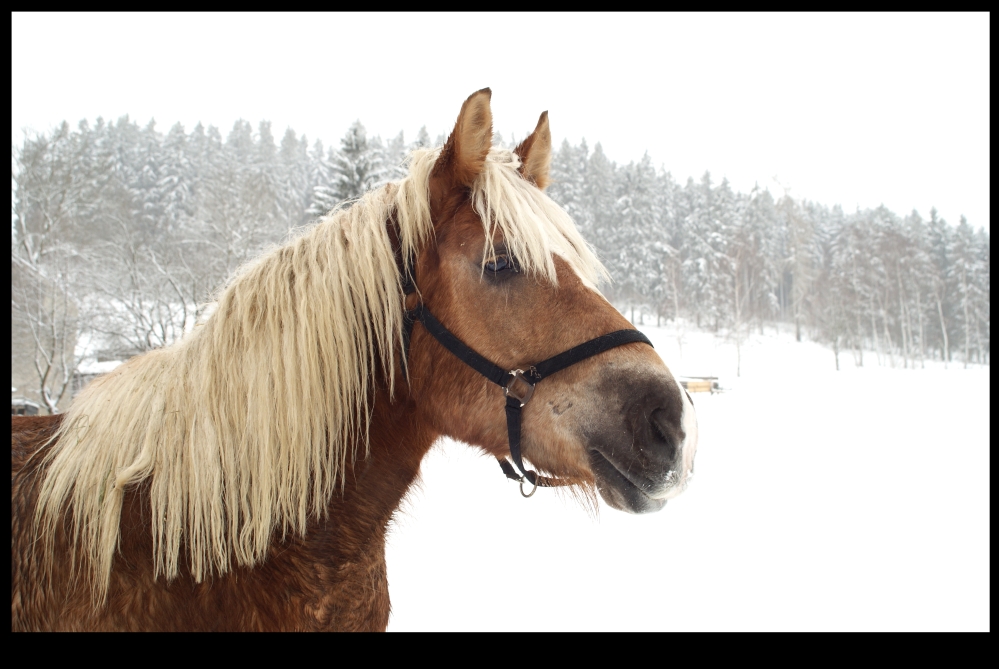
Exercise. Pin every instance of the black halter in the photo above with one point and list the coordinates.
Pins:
(517, 384)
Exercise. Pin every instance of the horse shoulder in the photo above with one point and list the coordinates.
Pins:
(29, 441)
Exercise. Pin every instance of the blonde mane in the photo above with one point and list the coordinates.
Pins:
(245, 427)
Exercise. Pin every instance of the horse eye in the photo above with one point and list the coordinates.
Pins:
(499, 263)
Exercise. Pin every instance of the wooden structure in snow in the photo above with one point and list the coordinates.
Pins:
(20, 406)
(700, 384)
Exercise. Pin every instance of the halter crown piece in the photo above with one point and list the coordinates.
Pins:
(518, 384)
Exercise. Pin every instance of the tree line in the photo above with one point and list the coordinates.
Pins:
(905, 287)
(121, 232)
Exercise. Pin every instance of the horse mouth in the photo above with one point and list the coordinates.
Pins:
(619, 490)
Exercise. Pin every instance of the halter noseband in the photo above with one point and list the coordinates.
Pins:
(518, 384)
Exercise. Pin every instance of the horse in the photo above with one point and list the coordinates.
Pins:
(243, 477)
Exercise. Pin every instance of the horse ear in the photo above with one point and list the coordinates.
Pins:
(464, 153)
(535, 154)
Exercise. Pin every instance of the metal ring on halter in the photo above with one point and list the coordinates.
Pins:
(534, 490)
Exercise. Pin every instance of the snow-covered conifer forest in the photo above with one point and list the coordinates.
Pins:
(120, 233)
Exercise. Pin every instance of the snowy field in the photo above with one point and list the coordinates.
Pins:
(823, 500)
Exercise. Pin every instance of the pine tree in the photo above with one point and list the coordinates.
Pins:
(799, 238)
(982, 282)
(295, 191)
(173, 189)
(666, 245)
(393, 159)
(357, 167)
(638, 228)
(422, 139)
(938, 244)
(323, 197)
(568, 183)
(599, 205)
(965, 271)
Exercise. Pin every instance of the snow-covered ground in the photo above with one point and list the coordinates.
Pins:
(823, 500)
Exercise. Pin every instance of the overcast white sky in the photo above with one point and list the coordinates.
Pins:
(855, 109)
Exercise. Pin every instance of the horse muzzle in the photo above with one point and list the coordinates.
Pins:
(642, 450)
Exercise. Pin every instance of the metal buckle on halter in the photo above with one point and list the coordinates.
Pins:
(518, 387)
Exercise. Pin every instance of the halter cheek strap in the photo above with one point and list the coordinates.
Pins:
(518, 385)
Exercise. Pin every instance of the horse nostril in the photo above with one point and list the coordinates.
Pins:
(663, 431)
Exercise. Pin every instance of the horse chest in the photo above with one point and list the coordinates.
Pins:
(282, 594)
(317, 584)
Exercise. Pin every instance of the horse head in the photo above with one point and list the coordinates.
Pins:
(508, 275)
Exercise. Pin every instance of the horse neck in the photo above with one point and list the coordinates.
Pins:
(335, 576)
(376, 484)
